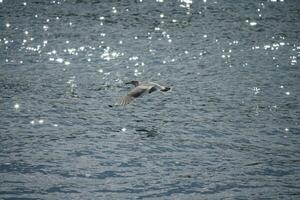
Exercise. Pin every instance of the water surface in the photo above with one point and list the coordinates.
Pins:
(228, 129)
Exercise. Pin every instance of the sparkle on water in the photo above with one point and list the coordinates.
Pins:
(16, 106)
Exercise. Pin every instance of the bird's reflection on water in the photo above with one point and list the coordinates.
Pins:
(147, 132)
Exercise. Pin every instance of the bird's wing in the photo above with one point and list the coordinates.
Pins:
(137, 91)
(124, 101)
(157, 85)
(134, 93)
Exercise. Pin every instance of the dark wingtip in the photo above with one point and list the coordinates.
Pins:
(110, 106)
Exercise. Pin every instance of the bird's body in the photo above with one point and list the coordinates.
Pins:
(139, 90)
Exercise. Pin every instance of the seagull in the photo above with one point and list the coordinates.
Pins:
(140, 89)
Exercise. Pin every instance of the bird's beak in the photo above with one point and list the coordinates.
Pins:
(128, 83)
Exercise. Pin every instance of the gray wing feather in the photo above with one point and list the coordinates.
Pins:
(136, 92)
(124, 100)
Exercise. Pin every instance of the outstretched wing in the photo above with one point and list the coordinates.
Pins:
(124, 101)
(136, 92)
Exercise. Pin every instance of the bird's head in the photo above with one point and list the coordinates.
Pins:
(135, 83)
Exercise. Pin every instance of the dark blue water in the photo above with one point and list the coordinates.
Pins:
(228, 129)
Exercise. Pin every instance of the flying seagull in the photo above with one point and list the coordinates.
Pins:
(140, 89)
